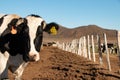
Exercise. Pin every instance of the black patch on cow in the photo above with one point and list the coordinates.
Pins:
(6, 36)
(43, 24)
(4, 40)
(38, 39)
(12, 23)
(1, 19)
(20, 43)
(8, 29)
(35, 15)
(23, 27)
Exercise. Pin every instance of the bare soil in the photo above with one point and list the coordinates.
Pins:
(56, 64)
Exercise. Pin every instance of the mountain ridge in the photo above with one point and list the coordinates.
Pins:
(76, 33)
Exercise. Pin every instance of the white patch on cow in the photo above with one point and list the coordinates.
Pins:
(6, 21)
(33, 23)
(4, 65)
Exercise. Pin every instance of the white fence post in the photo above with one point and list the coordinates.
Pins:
(108, 59)
(89, 54)
(84, 47)
(80, 47)
(118, 35)
(93, 48)
(73, 46)
(63, 46)
(76, 49)
(81, 41)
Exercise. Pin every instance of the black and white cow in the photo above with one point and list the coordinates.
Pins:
(110, 47)
(36, 26)
(22, 43)
(7, 24)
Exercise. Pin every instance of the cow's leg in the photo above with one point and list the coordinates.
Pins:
(4, 66)
(18, 73)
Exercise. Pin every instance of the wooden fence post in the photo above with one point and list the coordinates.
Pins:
(108, 59)
(93, 48)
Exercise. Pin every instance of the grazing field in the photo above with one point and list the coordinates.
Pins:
(56, 64)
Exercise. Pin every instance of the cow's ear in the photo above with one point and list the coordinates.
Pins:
(52, 28)
(13, 30)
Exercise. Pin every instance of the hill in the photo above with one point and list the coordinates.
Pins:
(69, 34)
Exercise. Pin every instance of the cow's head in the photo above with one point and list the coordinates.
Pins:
(14, 36)
(7, 25)
(36, 26)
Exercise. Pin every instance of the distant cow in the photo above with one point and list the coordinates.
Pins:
(50, 44)
(24, 45)
(109, 45)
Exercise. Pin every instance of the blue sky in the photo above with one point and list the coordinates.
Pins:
(69, 13)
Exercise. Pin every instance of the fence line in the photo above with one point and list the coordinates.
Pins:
(84, 47)
(80, 47)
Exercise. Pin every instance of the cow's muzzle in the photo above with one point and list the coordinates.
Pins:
(34, 57)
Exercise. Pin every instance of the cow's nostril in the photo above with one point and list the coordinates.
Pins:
(34, 57)
(31, 58)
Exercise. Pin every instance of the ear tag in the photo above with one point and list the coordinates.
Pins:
(53, 30)
(13, 31)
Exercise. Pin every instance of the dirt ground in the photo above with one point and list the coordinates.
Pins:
(56, 64)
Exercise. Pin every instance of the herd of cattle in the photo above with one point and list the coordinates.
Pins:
(20, 42)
